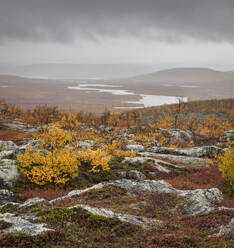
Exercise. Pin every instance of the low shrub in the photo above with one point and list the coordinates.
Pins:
(226, 166)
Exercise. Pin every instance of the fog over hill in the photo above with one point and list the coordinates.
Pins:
(185, 75)
(88, 71)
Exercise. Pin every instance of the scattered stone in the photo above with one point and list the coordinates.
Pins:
(8, 176)
(21, 225)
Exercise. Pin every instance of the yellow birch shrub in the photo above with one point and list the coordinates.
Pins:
(68, 121)
(57, 158)
(53, 161)
(115, 150)
(214, 127)
(96, 159)
(57, 166)
(226, 165)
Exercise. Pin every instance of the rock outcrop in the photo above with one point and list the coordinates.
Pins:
(135, 220)
(20, 224)
(8, 176)
(204, 151)
(197, 201)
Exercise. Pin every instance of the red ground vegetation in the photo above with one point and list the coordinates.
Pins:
(48, 192)
(14, 135)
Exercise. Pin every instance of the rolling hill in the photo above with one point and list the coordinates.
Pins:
(185, 75)
(78, 71)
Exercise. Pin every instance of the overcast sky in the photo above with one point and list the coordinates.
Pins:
(178, 32)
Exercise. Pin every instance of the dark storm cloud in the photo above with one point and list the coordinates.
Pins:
(66, 20)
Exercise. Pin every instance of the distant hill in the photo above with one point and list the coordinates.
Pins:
(185, 75)
(79, 71)
(231, 72)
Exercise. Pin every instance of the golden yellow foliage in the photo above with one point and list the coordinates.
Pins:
(44, 167)
(226, 165)
(213, 127)
(97, 159)
(52, 139)
(57, 159)
(115, 150)
(68, 121)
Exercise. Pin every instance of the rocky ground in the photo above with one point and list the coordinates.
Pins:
(163, 197)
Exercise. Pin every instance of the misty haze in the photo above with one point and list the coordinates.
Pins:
(116, 123)
(149, 48)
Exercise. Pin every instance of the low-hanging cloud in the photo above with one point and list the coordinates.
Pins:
(163, 20)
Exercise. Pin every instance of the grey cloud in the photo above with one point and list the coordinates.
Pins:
(67, 20)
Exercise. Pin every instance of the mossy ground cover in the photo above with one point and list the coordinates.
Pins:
(78, 228)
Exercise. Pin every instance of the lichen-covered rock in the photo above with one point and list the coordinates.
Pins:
(177, 136)
(8, 162)
(7, 154)
(204, 151)
(143, 160)
(150, 186)
(201, 200)
(29, 143)
(6, 196)
(87, 143)
(7, 146)
(135, 220)
(32, 201)
(177, 158)
(8, 176)
(134, 148)
(20, 225)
